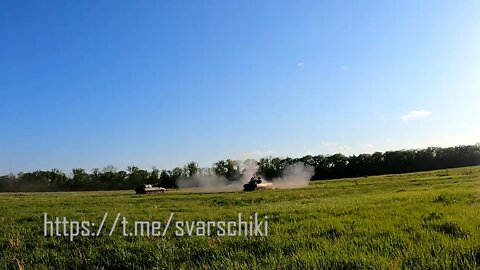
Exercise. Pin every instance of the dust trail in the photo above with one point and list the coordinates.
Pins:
(297, 175)
(249, 168)
(293, 176)
(209, 183)
(216, 183)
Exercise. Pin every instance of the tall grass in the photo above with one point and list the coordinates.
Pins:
(428, 220)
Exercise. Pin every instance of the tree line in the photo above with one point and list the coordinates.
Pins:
(326, 167)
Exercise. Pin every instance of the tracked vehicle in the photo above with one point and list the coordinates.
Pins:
(257, 183)
(148, 188)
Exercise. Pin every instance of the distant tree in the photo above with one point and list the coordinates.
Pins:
(190, 169)
(166, 179)
(271, 167)
(136, 176)
(57, 179)
(230, 169)
(132, 169)
(177, 172)
(154, 175)
(80, 178)
(326, 167)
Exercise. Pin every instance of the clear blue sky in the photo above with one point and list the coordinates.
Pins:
(160, 83)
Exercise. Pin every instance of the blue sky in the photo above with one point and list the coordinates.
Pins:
(160, 83)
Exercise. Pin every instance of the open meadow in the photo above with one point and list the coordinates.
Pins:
(428, 220)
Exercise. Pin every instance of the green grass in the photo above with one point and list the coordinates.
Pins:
(428, 220)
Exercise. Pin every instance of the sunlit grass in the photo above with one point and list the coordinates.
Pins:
(420, 220)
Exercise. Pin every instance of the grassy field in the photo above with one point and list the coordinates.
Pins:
(428, 220)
